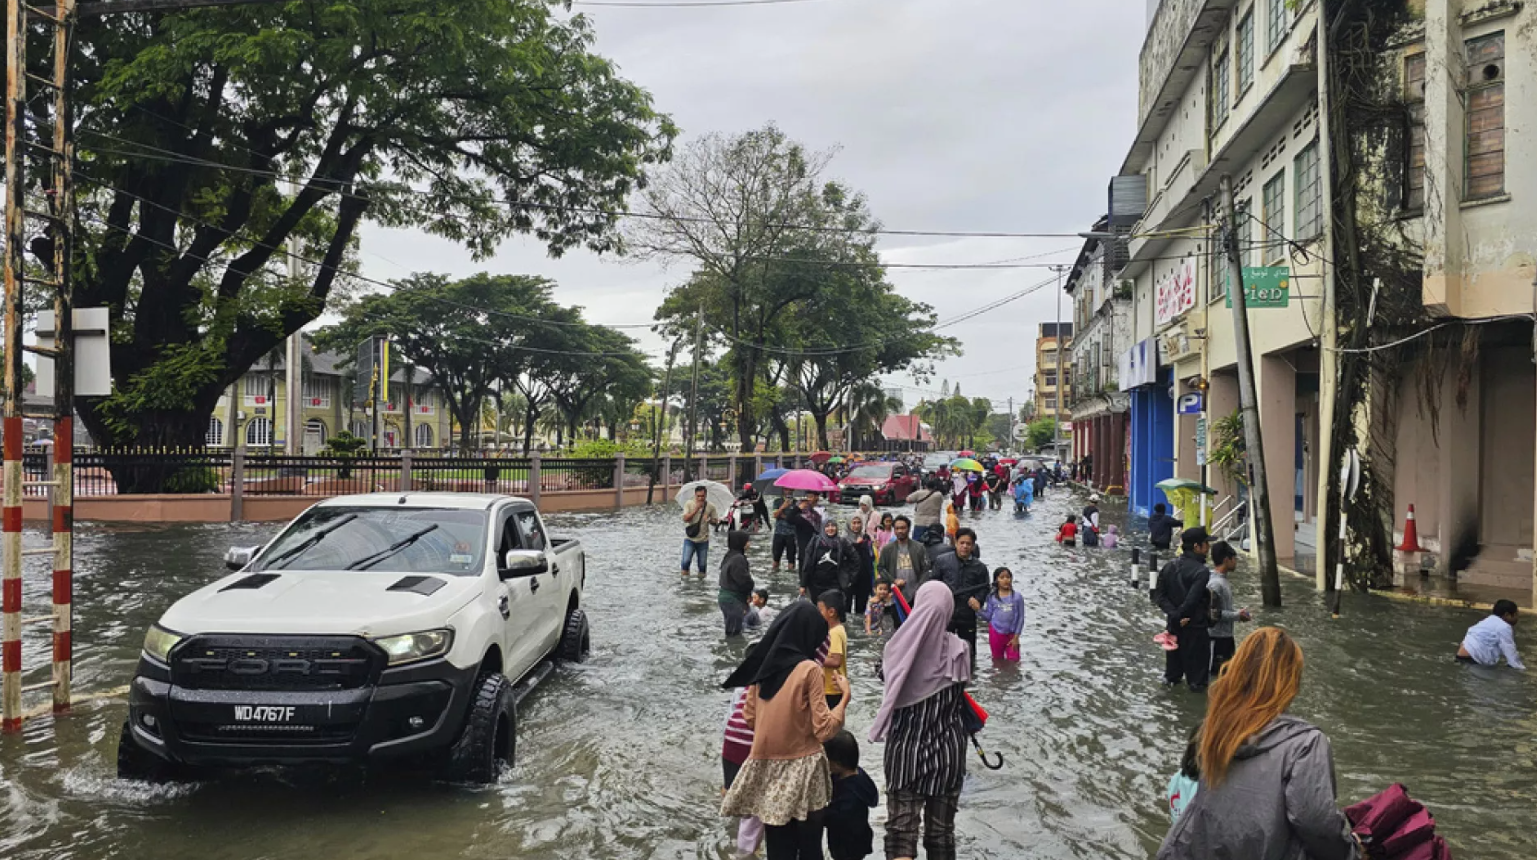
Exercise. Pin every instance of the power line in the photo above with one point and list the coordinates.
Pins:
(154, 153)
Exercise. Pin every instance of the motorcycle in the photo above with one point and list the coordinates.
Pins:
(743, 516)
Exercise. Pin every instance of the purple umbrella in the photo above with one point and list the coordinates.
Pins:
(805, 479)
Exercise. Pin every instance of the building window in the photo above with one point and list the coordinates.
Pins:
(1049, 403)
(1221, 76)
(1245, 52)
(1486, 116)
(256, 385)
(1049, 379)
(215, 435)
(1309, 188)
(317, 392)
(423, 435)
(361, 429)
(1414, 155)
(258, 431)
(1278, 20)
(1274, 216)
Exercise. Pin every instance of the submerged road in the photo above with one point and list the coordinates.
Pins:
(619, 757)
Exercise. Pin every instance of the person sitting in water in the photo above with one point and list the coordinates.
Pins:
(1492, 638)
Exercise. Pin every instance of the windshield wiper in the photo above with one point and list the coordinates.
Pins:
(397, 546)
(309, 543)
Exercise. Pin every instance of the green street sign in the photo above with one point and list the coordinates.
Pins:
(1200, 441)
(1263, 286)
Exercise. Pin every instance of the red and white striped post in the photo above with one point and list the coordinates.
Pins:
(10, 427)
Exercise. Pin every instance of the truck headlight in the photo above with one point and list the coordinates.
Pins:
(159, 641)
(410, 647)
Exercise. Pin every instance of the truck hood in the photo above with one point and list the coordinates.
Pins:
(317, 602)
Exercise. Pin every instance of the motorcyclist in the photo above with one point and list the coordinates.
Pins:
(750, 494)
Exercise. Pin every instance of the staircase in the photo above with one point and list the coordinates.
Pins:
(1500, 566)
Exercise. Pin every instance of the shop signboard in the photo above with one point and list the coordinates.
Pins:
(1200, 441)
(1174, 293)
(1139, 365)
(1263, 286)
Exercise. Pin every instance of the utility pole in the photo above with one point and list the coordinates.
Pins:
(1248, 401)
(293, 382)
(659, 420)
(693, 400)
(1010, 442)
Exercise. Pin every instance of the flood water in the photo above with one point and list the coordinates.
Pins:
(619, 757)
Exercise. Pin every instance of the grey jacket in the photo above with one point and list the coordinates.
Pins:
(1222, 612)
(1277, 803)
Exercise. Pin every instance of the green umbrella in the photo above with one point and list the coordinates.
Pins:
(835, 459)
(1173, 484)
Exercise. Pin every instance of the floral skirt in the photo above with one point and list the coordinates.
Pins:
(778, 791)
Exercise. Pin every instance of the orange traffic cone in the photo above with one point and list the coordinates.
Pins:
(1411, 535)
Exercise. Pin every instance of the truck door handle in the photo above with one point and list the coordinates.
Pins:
(504, 607)
(533, 583)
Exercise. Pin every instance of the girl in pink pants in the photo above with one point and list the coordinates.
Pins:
(1005, 616)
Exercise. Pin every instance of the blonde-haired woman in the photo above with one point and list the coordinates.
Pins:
(1267, 778)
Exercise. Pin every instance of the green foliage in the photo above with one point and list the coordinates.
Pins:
(1041, 432)
(474, 120)
(607, 449)
(196, 479)
(1227, 452)
(344, 444)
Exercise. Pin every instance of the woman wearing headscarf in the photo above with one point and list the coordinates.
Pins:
(786, 782)
(862, 540)
(1267, 778)
(867, 513)
(828, 562)
(922, 721)
(736, 583)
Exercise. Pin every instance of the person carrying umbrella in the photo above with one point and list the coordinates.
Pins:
(698, 516)
(922, 720)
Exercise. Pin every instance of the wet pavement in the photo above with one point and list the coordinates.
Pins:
(619, 757)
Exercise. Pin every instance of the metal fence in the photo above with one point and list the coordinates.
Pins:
(99, 473)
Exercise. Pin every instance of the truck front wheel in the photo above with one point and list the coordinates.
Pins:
(488, 737)
(575, 638)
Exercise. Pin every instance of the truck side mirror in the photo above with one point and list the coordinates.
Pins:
(523, 562)
(239, 556)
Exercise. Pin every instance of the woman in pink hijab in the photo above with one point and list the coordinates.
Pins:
(922, 721)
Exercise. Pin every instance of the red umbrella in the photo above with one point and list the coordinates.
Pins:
(966, 454)
(821, 457)
(979, 714)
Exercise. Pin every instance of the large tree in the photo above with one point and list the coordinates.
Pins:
(473, 120)
(738, 208)
(469, 334)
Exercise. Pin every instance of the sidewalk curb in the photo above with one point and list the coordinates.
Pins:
(1406, 597)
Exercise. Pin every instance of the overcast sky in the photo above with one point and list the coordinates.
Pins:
(951, 115)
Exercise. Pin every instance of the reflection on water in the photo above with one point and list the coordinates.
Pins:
(618, 758)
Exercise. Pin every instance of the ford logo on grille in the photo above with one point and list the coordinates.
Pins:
(290, 666)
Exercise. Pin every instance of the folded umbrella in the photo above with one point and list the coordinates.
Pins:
(976, 716)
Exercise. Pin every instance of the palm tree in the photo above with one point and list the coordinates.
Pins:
(869, 406)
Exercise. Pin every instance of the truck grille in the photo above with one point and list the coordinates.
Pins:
(230, 733)
(228, 662)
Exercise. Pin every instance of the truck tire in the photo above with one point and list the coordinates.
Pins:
(139, 764)
(489, 734)
(575, 639)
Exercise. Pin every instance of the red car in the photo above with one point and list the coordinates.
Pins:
(886, 483)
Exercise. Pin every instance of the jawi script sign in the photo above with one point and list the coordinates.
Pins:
(1174, 292)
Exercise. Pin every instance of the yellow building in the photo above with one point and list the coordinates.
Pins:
(1048, 388)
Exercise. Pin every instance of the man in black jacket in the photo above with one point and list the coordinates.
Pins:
(1160, 527)
(1182, 595)
(968, 579)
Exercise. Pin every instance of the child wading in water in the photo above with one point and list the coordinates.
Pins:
(1005, 616)
(881, 614)
(1069, 534)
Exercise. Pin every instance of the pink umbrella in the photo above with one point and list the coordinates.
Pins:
(805, 479)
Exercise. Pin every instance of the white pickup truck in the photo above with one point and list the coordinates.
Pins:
(386, 626)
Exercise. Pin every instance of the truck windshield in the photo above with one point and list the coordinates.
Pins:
(391, 540)
(870, 473)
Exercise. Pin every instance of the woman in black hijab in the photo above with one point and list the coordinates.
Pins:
(736, 583)
(786, 782)
(829, 562)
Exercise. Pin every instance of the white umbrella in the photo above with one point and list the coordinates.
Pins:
(717, 493)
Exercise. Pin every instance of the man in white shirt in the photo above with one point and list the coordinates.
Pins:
(1492, 638)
